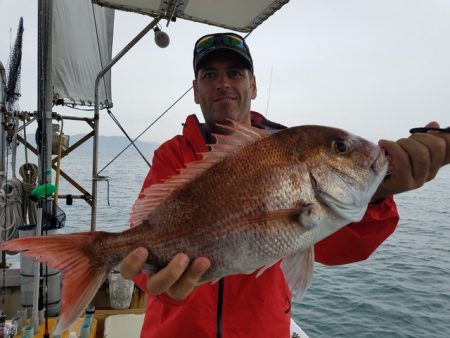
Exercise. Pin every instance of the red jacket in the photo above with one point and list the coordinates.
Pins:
(242, 305)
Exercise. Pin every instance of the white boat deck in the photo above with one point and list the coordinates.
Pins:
(129, 325)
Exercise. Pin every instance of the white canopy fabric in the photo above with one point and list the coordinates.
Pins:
(238, 15)
(82, 39)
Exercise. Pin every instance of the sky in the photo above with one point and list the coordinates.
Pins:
(376, 67)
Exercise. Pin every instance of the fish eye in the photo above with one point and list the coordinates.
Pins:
(340, 147)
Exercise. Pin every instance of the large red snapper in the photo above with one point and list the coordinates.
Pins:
(254, 199)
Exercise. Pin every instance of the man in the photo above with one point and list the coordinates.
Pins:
(242, 305)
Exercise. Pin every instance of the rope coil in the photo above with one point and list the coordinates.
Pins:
(15, 205)
(29, 173)
(11, 215)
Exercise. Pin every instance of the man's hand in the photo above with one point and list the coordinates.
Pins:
(414, 161)
(178, 279)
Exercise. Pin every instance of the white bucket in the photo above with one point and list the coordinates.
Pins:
(120, 291)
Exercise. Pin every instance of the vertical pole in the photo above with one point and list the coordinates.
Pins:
(2, 135)
(45, 104)
(2, 115)
(97, 109)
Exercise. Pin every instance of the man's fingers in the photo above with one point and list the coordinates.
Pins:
(436, 147)
(131, 265)
(398, 159)
(445, 138)
(414, 160)
(401, 168)
(418, 156)
(164, 279)
(189, 280)
(432, 124)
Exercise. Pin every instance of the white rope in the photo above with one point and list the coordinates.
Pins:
(29, 173)
(11, 215)
(14, 147)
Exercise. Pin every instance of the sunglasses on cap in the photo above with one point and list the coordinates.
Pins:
(221, 41)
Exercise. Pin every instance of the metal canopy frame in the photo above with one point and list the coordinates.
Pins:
(231, 14)
(237, 15)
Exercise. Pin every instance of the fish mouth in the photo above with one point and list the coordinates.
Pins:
(380, 163)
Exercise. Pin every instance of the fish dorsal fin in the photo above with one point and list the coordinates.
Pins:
(239, 136)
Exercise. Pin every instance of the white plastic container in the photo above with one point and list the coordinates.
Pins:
(120, 291)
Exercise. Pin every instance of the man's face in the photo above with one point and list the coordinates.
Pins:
(224, 89)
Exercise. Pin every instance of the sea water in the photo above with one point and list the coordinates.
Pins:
(402, 290)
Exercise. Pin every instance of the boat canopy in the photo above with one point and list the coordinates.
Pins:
(82, 38)
(238, 15)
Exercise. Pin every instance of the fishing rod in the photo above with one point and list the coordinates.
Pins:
(427, 129)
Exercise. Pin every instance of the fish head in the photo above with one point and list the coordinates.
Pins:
(345, 170)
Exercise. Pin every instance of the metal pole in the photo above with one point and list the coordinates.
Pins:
(100, 75)
(44, 122)
(2, 121)
(2, 136)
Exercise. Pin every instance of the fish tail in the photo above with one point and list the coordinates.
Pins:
(67, 253)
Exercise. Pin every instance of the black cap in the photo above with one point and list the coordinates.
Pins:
(230, 42)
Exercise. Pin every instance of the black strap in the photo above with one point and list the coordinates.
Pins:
(219, 308)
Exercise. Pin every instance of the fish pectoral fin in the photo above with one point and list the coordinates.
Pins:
(298, 270)
(309, 216)
(306, 215)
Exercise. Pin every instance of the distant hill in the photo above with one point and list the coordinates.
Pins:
(114, 142)
(109, 143)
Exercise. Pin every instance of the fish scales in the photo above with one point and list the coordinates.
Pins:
(261, 174)
(253, 200)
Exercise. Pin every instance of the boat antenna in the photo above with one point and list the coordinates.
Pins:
(268, 95)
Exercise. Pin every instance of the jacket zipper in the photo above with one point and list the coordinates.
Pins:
(219, 308)
(209, 140)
